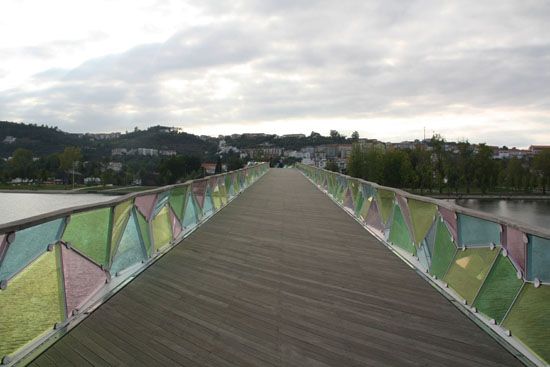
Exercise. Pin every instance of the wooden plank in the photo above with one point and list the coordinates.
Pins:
(280, 277)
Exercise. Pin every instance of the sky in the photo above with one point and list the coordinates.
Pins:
(389, 69)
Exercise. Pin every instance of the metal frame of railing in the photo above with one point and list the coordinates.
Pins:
(183, 215)
(529, 342)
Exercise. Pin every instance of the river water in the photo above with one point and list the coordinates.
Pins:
(533, 212)
(14, 206)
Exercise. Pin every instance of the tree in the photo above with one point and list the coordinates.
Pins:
(485, 168)
(21, 163)
(542, 165)
(355, 136)
(334, 134)
(356, 161)
(465, 165)
(438, 144)
(332, 166)
(218, 166)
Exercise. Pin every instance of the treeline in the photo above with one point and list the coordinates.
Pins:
(470, 169)
(71, 163)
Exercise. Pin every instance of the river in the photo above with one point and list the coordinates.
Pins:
(533, 212)
(15, 206)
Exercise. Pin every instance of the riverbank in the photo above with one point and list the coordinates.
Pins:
(488, 196)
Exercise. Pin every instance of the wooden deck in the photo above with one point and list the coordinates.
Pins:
(280, 277)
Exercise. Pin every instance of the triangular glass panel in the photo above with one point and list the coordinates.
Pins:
(450, 219)
(145, 204)
(130, 251)
(422, 218)
(190, 217)
(27, 245)
(32, 303)
(515, 243)
(385, 204)
(199, 190)
(176, 226)
(177, 200)
(121, 214)
(88, 232)
(399, 233)
(162, 199)
(82, 279)
(145, 233)
(162, 229)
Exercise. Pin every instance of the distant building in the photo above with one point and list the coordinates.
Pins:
(210, 168)
(92, 180)
(103, 136)
(167, 152)
(147, 152)
(296, 136)
(9, 140)
(115, 166)
(119, 151)
(536, 149)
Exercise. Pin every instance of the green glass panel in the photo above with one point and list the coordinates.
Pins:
(365, 208)
(444, 251)
(538, 259)
(162, 199)
(145, 236)
(529, 319)
(32, 303)
(208, 206)
(120, 217)
(29, 243)
(358, 205)
(499, 290)
(399, 233)
(162, 230)
(468, 271)
(422, 217)
(216, 198)
(130, 251)
(385, 204)
(177, 200)
(88, 232)
(474, 231)
(424, 256)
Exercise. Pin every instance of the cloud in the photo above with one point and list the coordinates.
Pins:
(373, 64)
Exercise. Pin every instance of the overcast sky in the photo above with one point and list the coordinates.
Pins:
(468, 69)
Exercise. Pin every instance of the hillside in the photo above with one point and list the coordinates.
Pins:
(44, 140)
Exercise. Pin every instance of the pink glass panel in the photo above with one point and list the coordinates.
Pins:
(145, 205)
(513, 241)
(402, 202)
(176, 225)
(373, 217)
(450, 219)
(82, 279)
(199, 188)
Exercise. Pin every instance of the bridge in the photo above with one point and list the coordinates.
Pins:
(281, 275)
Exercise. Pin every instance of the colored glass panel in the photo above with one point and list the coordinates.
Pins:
(422, 217)
(385, 204)
(424, 255)
(399, 233)
(190, 217)
(145, 204)
(145, 234)
(82, 279)
(358, 205)
(529, 319)
(348, 201)
(32, 303)
(130, 251)
(430, 237)
(162, 199)
(468, 271)
(121, 214)
(176, 226)
(514, 242)
(365, 209)
(199, 190)
(208, 207)
(444, 251)
(474, 231)
(28, 244)
(450, 219)
(538, 259)
(88, 232)
(373, 217)
(162, 230)
(402, 202)
(216, 197)
(499, 290)
(177, 200)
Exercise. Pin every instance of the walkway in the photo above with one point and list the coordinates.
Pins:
(280, 277)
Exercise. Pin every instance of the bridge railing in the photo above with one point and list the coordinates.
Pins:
(55, 268)
(498, 269)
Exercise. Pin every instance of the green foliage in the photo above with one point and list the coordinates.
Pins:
(542, 165)
(332, 166)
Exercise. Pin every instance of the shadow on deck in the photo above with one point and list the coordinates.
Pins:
(280, 277)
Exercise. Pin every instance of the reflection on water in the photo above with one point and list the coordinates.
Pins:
(16, 206)
(533, 212)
